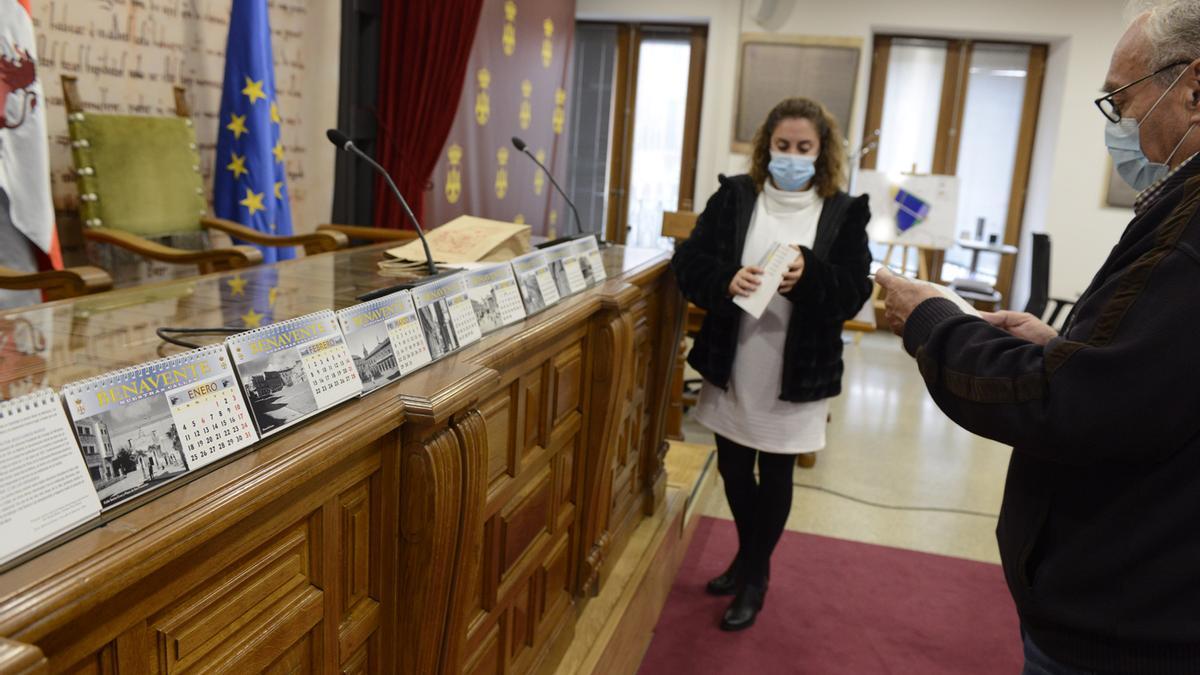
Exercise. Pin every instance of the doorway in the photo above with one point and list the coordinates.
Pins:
(638, 89)
(965, 108)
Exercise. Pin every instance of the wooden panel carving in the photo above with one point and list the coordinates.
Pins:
(488, 659)
(302, 657)
(355, 571)
(497, 415)
(262, 606)
(527, 517)
(612, 347)
(364, 660)
(533, 411)
(568, 385)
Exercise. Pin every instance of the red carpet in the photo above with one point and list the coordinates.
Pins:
(837, 606)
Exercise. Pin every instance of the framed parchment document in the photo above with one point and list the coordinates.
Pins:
(774, 67)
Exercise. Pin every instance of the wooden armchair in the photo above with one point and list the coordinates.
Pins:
(57, 284)
(139, 177)
(372, 235)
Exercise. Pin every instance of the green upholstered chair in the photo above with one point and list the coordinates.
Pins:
(139, 178)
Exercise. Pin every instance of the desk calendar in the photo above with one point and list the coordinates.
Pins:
(445, 315)
(537, 286)
(292, 369)
(384, 338)
(494, 297)
(591, 264)
(143, 426)
(45, 489)
(564, 267)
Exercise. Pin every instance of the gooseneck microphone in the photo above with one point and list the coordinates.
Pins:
(343, 141)
(524, 149)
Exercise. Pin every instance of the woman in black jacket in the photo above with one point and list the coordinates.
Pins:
(768, 381)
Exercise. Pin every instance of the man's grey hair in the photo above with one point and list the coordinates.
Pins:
(1172, 29)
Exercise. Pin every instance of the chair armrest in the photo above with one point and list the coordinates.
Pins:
(317, 242)
(57, 284)
(212, 260)
(370, 233)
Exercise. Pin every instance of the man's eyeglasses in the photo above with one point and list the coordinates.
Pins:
(1108, 107)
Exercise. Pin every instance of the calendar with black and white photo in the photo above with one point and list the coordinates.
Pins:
(292, 369)
(143, 426)
(590, 262)
(564, 267)
(445, 315)
(385, 339)
(537, 286)
(494, 297)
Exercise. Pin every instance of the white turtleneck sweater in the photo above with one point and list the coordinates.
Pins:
(749, 412)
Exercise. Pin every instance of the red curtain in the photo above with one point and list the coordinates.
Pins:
(424, 46)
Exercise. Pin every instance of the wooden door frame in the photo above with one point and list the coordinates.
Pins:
(629, 40)
(955, 78)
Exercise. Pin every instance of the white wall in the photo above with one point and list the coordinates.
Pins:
(1068, 175)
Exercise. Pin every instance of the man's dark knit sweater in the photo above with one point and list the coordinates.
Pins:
(1100, 527)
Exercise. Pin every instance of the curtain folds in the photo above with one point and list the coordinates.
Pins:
(425, 46)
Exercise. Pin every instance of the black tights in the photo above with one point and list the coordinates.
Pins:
(760, 509)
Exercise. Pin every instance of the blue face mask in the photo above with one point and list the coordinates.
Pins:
(792, 172)
(1124, 143)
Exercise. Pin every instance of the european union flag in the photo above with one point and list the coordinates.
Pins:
(250, 185)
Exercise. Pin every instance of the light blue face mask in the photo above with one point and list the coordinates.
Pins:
(1124, 143)
(792, 172)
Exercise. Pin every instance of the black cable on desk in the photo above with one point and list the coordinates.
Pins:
(166, 332)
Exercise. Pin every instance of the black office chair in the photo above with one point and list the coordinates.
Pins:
(1039, 285)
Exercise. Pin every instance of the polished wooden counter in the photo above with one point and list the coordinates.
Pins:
(454, 521)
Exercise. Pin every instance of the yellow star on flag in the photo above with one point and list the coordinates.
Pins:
(275, 113)
(237, 124)
(253, 90)
(278, 150)
(252, 319)
(278, 189)
(237, 285)
(253, 201)
(271, 296)
(237, 165)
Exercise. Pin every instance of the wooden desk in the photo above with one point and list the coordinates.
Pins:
(453, 521)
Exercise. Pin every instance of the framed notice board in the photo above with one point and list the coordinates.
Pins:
(774, 67)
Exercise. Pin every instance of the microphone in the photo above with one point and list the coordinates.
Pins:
(524, 149)
(343, 141)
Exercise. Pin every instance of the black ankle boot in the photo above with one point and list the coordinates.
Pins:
(726, 584)
(745, 608)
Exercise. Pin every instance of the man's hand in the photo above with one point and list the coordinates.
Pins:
(794, 272)
(903, 296)
(1023, 325)
(745, 281)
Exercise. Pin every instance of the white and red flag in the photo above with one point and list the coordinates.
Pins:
(24, 144)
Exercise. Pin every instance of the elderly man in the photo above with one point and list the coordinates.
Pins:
(1100, 527)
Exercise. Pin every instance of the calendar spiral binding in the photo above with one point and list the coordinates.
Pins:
(27, 402)
(114, 376)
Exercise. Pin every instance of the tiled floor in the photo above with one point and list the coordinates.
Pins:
(896, 471)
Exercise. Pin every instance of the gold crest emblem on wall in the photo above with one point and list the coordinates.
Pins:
(560, 102)
(454, 175)
(539, 178)
(526, 113)
(502, 172)
(547, 44)
(483, 102)
(509, 37)
(519, 219)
